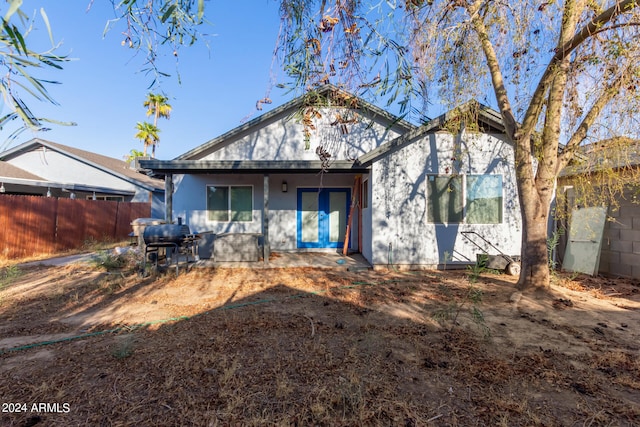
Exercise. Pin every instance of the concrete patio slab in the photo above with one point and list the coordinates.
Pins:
(326, 260)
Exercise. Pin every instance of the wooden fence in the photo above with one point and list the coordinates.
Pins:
(31, 225)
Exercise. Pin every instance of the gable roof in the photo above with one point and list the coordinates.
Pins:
(330, 94)
(110, 165)
(485, 118)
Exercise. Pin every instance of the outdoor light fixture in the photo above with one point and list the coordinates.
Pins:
(2, 189)
(48, 192)
(285, 187)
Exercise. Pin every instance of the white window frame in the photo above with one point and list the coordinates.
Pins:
(229, 210)
(428, 198)
(364, 193)
(465, 200)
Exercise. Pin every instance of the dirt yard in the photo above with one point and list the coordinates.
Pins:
(82, 346)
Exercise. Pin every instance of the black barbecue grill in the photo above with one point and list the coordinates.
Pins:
(168, 240)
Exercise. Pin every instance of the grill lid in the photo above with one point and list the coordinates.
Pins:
(165, 233)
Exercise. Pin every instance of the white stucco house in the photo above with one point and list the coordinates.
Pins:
(40, 167)
(296, 174)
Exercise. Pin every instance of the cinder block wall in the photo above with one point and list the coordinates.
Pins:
(620, 255)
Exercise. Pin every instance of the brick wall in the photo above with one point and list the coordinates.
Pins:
(620, 255)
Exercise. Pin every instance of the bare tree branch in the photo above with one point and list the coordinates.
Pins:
(555, 100)
(497, 77)
(580, 134)
(563, 51)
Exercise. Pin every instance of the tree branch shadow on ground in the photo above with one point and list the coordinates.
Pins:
(333, 347)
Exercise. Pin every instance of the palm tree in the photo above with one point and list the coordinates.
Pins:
(133, 154)
(148, 134)
(157, 106)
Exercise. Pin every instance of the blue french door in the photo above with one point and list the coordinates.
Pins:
(322, 217)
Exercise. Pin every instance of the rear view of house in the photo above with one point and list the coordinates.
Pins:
(328, 170)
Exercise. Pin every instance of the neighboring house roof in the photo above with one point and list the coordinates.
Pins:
(608, 154)
(328, 93)
(109, 165)
(10, 174)
(8, 170)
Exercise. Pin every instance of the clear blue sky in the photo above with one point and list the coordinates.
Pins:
(103, 90)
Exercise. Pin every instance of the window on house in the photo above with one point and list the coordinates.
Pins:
(230, 203)
(445, 199)
(472, 199)
(365, 194)
(484, 199)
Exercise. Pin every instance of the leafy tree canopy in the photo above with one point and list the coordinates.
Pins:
(149, 134)
(157, 106)
(506, 54)
(149, 27)
(562, 74)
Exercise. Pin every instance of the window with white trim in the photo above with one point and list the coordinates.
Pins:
(445, 199)
(470, 199)
(365, 194)
(483, 199)
(227, 203)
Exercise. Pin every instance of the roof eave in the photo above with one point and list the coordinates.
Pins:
(67, 186)
(163, 167)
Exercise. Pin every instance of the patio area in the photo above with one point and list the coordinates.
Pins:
(324, 260)
(328, 260)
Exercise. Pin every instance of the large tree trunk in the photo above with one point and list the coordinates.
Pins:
(537, 189)
(535, 261)
(535, 196)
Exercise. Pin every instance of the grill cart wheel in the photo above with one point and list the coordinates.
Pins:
(513, 269)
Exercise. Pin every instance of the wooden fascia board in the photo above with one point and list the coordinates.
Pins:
(245, 166)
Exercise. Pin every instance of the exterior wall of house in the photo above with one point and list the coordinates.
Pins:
(54, 166)
(401, 231)
(283, 139)
(620, 254)
(190, 204)
(157, 202)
